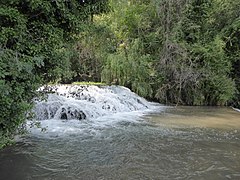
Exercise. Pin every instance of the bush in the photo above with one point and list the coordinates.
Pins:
(35, 36)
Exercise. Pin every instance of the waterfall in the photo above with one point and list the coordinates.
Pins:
(81, 102)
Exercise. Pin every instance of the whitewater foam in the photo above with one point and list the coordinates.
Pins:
(70, 109)
(236, 109)
(85, 102)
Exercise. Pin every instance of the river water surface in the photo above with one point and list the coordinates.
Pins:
(177, 143)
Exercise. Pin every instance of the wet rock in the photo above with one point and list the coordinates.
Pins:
(80, 115)
(74, 101)
(92, 99)
(64, 116)
(69, 113)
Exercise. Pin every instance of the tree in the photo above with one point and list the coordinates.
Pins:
(187, 54)
(227, 17)
(34, 39)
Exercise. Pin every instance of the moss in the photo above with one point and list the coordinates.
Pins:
(89, 83)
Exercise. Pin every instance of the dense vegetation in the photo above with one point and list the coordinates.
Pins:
(179, 52)
(36, 39)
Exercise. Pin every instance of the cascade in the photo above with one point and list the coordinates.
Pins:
(81, 102)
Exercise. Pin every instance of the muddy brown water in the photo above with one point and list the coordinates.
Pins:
(179, 143)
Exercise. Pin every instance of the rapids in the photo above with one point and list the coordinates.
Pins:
(72, 109)
(95, 132)
(87, 102)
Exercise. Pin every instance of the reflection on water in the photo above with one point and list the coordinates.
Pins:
(182, 143)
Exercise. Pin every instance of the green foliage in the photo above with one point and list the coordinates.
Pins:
(186, 49)
(18, 86)
(129, 68)
(230, 31)
(180, 52)
(35, 48)
(207, 50)
(5, 140)
(127, 61)
(89, 52)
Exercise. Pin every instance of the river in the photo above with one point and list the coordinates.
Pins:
(177, 143)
